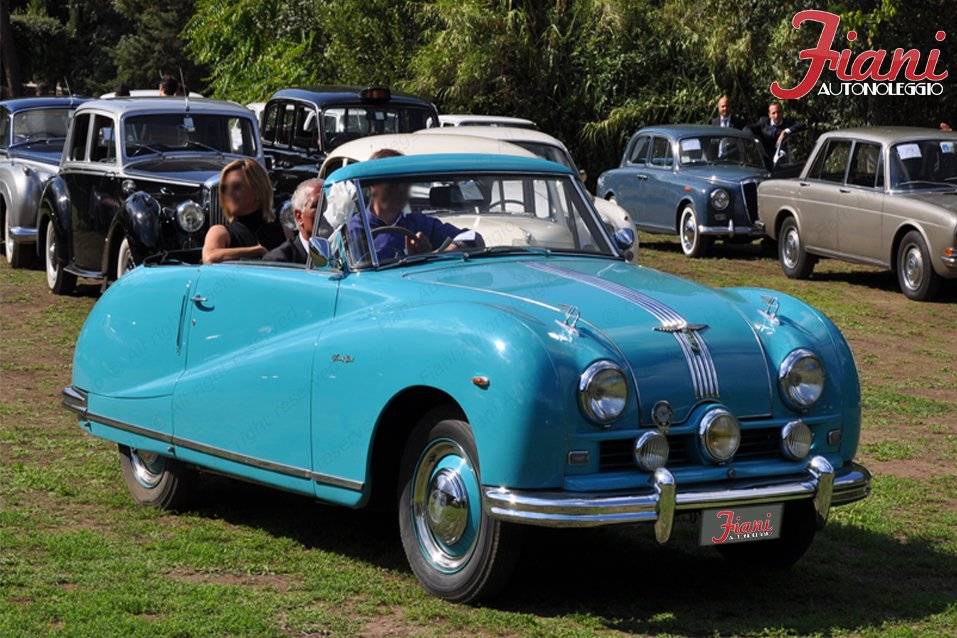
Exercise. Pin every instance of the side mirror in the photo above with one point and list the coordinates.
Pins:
(286, 216)
(624, 239)
(319, 253)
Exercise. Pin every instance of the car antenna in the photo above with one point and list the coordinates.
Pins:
(187, 120)
(69, 91)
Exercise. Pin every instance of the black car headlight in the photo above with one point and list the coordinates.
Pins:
(603, 392)
(190, 216)
(720, 198)
(801, 379)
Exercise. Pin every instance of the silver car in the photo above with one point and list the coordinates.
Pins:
(880, 196)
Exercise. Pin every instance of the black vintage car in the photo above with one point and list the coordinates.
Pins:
(138, 177)
(300, 126)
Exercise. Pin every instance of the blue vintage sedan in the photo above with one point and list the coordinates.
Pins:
(697, 182)
(471, 347)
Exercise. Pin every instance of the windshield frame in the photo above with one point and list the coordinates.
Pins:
(934, 187)
(130, 159)
(374, 264)
(744, 140)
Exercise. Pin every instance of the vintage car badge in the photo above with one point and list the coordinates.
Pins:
(662, 414)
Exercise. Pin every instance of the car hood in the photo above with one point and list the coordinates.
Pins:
(633, 307)
(185, 169)
(947, 201)
(724, 172)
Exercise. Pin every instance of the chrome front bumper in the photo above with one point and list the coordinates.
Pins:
(658, 503)
(757, 230)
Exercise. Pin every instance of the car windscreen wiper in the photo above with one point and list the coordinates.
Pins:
(39, 140)
(510, 250)
(139, 146)
(205, 147)
(421, 257)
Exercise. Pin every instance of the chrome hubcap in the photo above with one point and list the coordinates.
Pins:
(148, 468)
(913, 267)
(446, 510)
(792, 246)
(689, 231)
(51, 255)
(125, 260)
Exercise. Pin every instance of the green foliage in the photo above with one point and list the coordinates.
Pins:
(41, 64)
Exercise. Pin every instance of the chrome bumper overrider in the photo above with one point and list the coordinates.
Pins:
(658, 503)
(731, 231)
(23, 234)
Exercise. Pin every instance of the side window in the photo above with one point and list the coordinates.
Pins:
(104, 144)
(835, 161)
(864, 165)
(286, 123)
(81, 130)
(661, 153)
(4, 128)
(639, 152)
(270, 122)
(306, 135)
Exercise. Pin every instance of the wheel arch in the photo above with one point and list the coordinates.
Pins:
(899, 233)
(779, 218)
(57, 197)
(684, 201)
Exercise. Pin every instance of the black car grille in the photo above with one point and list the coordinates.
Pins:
(756, 443)
(750, 191)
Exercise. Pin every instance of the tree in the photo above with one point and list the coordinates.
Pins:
(8, 51)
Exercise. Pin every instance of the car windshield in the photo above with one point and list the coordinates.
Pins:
(344, 123)
(720, 149)
(168, 132)
(41, 125)
(927, 164)
(412, 219)
(549, 152)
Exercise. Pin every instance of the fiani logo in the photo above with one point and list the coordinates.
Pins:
(732, 529)
(879, 66)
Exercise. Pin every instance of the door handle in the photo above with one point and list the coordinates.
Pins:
(844, 190)
(198, 299)
(640, 176)
(803, 184)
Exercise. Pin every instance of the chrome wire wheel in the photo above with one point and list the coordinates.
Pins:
(446, 506)
(148, 468)
(791, 249)
(52, 267)
(912, 267)
(688, 231)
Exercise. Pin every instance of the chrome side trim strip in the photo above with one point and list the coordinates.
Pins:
(74, 399)
(279, 468)
(662, 498)
(698, 357)
(23, 234)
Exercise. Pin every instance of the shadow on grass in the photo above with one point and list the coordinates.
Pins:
(851, 579)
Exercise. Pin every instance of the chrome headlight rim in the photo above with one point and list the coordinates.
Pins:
(190, 216)
(720, 198)
(705, 430)
(796, 440)
(784, 373)
(585, 381)
(651, 451)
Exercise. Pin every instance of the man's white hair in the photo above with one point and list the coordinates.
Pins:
(302, 192)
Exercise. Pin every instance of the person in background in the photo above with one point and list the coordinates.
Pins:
(168, 85)
(725, 117)
(305, 201)
(121, 90)
(945, 127)
(773, 132)
(251, 229)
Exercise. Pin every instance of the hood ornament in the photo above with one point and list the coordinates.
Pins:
(689, 330)
(770, 312)
(662, 415)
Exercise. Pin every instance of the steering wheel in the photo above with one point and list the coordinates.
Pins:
(502, 203)
(394, 229)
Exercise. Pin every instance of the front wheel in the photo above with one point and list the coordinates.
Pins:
(455, 550)
(915, 273)
(795, 261)
(59, 281)
(124, 258)
(693, 243)
(154, 480)
(799, 526)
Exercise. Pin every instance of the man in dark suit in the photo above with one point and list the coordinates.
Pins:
(725, 117)
(305, 200)
(773, 132)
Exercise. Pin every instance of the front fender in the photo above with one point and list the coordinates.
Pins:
(55, 206)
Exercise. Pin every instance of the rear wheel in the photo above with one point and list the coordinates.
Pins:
(915, 273)
(795, 261)
(455, 550)
(154, 480)
(799, 524)
(124, 259)
(58, 280)
(693, 243)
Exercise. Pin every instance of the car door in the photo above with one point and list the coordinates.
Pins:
(823, 194)
(105, 199)
(79, 175)
(860, 220)
(631, 178)
(659, 207)
(243, 403)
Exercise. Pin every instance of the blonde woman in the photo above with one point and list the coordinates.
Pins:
(245, 194)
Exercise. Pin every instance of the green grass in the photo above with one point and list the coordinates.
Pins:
(77, 558)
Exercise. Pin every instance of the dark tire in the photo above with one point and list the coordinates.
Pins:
(795, 261)
(455, 550)
(799, 526)
(59, 281)
(915, 271)
(769, 247)
(156, 481)
(693, 243)
(124, 258)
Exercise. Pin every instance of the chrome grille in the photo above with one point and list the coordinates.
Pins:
(616, 455)
(215, 211)
(750, 191)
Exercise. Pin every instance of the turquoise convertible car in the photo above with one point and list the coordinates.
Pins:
(518, 372)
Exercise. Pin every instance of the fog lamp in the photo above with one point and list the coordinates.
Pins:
(796, 440)
(651, 451)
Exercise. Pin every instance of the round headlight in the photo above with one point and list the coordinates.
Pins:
(603, 392)
(720, 435)
(720, 199)
(190, 216)
(651, 451)
(796, 440)
(801, 379)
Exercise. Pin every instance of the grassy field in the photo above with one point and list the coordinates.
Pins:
(77, 558)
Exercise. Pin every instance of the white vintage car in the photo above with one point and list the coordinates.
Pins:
(547, 147)
(486, 120)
